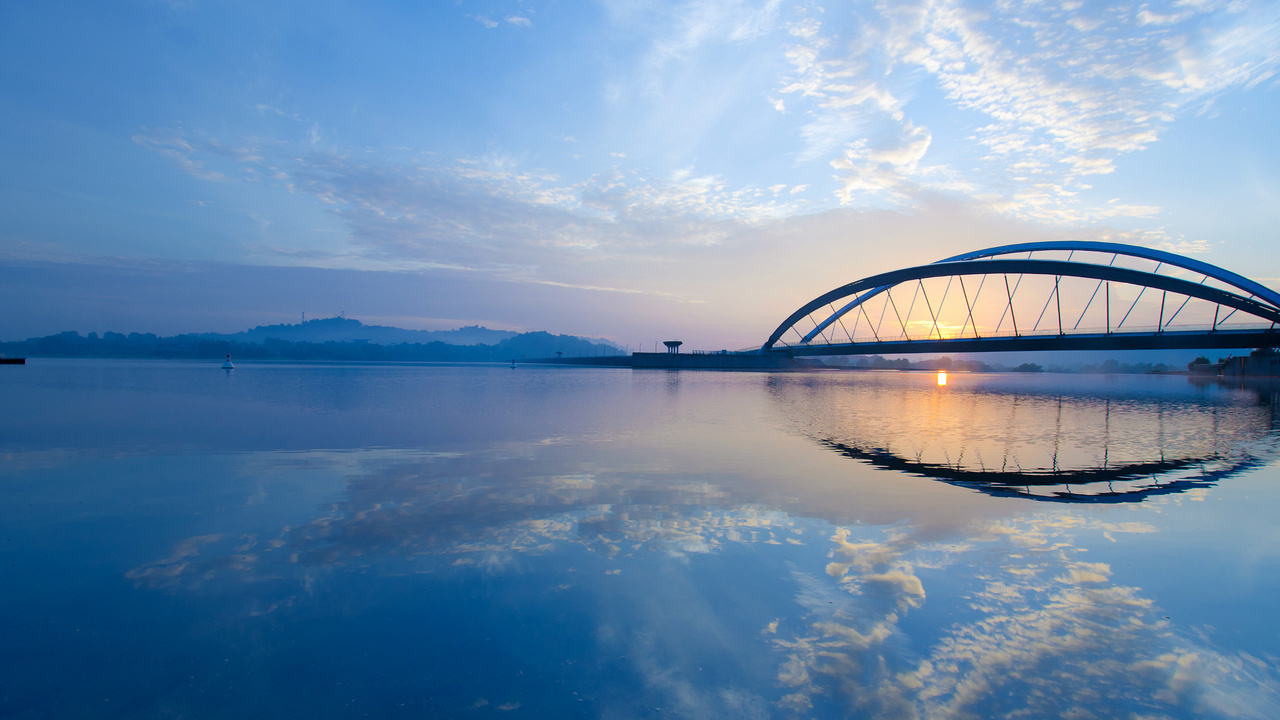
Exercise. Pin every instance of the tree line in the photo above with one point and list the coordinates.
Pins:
(72, 344)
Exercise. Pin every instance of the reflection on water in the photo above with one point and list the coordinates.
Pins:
(1035, 628)
(1042, 441)
(692, 548)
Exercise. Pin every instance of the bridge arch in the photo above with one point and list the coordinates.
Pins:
(1217, 287)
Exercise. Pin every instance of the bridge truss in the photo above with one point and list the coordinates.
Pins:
(1069, 295)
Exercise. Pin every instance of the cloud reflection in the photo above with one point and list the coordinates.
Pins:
(1004, 617)
(1044, 635)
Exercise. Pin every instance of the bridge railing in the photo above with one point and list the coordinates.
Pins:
(969, 334)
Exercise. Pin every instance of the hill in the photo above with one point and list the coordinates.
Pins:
(337, 329)
(328, 339)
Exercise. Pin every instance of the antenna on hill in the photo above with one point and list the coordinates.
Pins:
(304, 318)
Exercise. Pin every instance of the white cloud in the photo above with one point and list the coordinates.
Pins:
(519, 20)
(1062, 96)
(178, 149)
(889, 169)
(696, 22)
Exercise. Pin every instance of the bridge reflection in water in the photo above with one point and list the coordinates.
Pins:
(1064, 439)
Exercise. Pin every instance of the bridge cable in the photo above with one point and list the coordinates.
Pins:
(1131, 307)
(874, 328)
(1012, 316)
(830, 340)
(1184, 304)
(1135, 300)
(977, 296)
(929, 306)
(1045, 309)
(911, 308)
(969, 308)
(841, 320)
(1009, 309)
(883, 309)
(815, 327)
(1058, 294)
(1086, 306)
(1094, 295)
(846, 329)
(889, 292)
(942, 303)
(1077, 326)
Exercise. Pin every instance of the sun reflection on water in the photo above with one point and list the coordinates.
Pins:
(1013, 434)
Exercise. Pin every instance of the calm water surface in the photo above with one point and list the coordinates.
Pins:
(322, 541)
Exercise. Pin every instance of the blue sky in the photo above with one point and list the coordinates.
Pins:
(636, 170)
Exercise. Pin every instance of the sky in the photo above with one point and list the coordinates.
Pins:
(636, 170)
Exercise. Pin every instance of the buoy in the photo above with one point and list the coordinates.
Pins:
(228, 365)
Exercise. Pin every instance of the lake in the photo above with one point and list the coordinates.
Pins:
(334, 541)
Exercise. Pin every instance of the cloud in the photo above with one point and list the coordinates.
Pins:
(1060, 95)
(177, 149)
(519, 20)
(889, 169)
(693, 24)
(489, 214)
(1044, 98)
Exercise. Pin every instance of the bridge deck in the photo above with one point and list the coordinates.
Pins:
(1222, 339)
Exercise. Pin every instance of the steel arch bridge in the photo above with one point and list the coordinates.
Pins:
(1071, 295)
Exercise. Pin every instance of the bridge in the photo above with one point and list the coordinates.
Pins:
(1042, 296)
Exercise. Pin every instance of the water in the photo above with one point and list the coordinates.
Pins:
(428, 541)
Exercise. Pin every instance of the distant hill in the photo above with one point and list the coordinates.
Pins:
(337, 329)
(327, 339)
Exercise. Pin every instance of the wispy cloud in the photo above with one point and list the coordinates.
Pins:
(1061, 93)
(491, 214)
(1039, 102)
(181, 152)
(696, 22)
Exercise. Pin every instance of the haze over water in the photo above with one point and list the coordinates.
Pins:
(445, 541)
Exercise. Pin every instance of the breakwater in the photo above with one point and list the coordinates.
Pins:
(684, 361)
